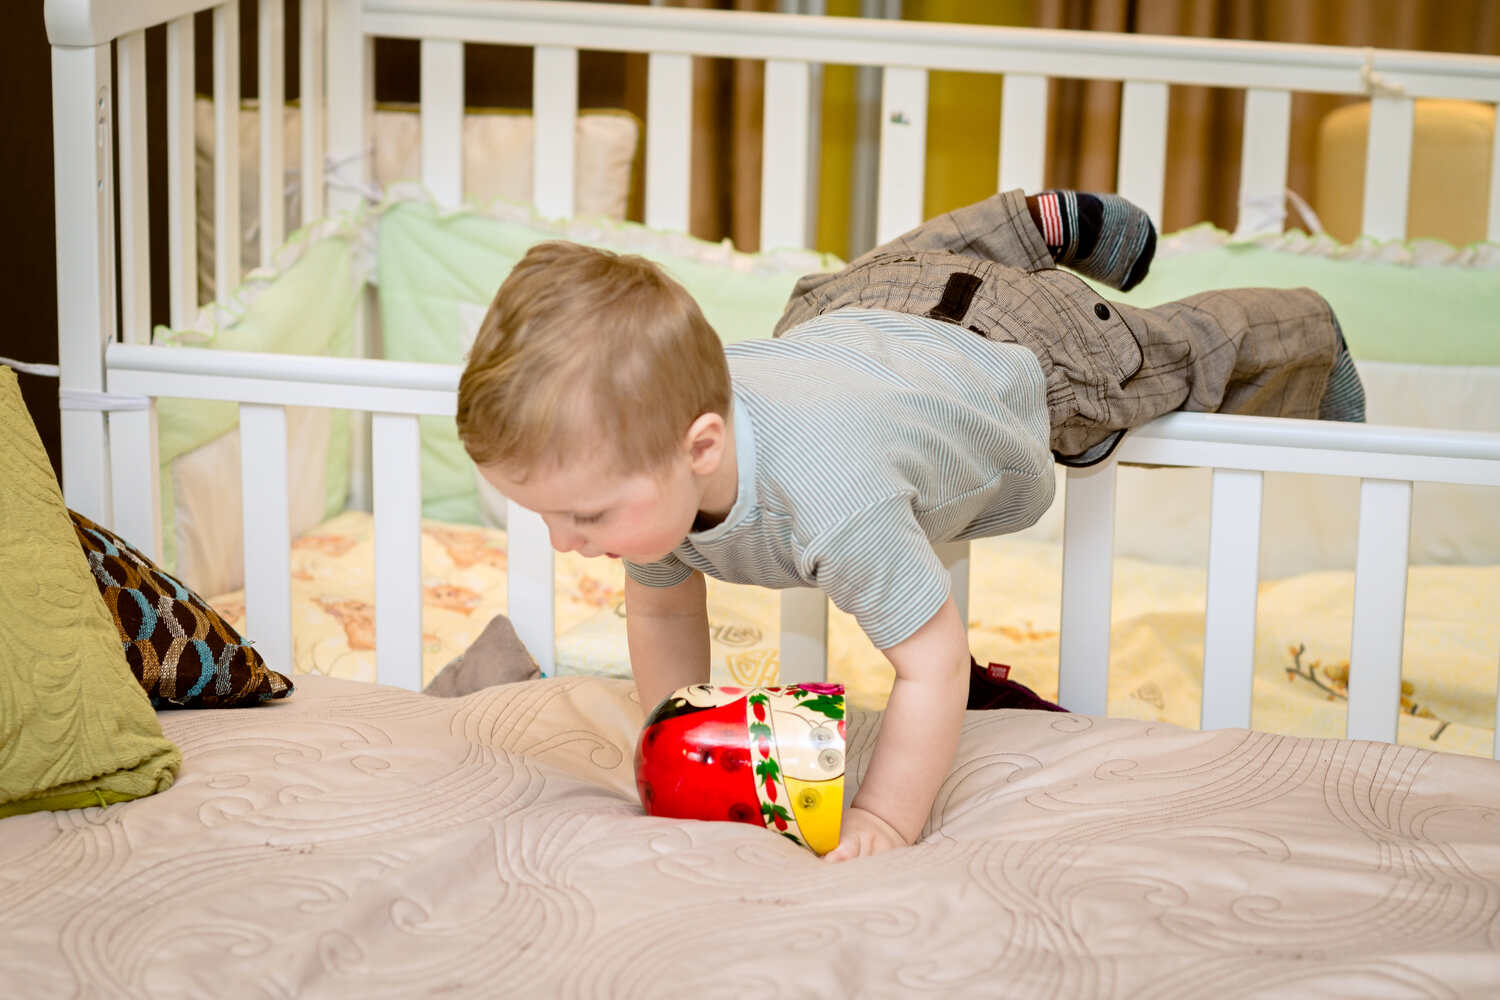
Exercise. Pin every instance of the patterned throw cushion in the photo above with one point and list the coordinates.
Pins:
(181, 650)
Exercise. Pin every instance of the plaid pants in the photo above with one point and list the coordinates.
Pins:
(1108, 366)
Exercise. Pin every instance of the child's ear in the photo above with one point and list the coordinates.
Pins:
(707, 439)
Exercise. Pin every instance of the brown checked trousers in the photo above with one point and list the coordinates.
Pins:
(1108, 366)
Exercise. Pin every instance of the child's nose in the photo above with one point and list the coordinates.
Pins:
(564, 539)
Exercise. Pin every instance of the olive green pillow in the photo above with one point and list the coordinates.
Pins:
(76, 729)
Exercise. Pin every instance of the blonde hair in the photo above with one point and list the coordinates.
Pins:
(581, 343)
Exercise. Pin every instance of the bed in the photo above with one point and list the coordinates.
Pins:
(1325, 844)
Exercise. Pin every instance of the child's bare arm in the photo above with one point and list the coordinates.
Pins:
(667, 632)
(917, 738)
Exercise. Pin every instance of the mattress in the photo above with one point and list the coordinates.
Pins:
(1302, 638)
(359, 840)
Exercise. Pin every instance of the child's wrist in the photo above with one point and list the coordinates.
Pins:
(897, 830)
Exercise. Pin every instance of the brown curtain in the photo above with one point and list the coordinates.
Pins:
(1204, 124)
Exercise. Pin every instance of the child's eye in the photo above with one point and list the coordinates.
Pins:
(588, 518)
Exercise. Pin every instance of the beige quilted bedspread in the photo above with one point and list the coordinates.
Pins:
(370, 842)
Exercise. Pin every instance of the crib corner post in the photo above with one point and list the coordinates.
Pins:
(83, 151)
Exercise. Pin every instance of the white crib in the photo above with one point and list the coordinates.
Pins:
(111, 374)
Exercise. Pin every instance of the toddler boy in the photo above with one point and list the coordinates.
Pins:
(917, 396)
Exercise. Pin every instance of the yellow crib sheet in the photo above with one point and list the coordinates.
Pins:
(1452, 646)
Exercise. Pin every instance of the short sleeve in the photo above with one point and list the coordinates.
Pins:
(880, 567)
(667, 571)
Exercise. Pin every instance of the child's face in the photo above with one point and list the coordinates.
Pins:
(594, 511)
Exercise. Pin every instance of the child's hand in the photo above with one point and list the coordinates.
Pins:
(862, 834)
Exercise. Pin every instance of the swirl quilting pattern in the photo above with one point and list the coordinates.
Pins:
(365, 841)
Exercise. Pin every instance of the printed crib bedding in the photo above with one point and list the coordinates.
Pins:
(1301, 658)
(367, 841)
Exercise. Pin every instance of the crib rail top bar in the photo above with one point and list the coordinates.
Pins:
(93, 22)
(977, 48)
(368, 373)
(1323, 435)
(1272, 444)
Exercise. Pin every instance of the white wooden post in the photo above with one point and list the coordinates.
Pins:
(136, 478)
(182, 191)
(350, 91)
(1379, 609)
(1023, 131)
(1388, 167)
(83, 179)
(531, 602)
(804, 635)
(1263, 161)
(396, 443)
(311, 43)
(271, 71)
(228, 240)
(267, 539)
(1143, 145)
(669, 115)
(1087, 579)
(903, 151)
(955, 556)
(443, 119)
(1493, 235)
(135, 215)
(1229, 618)
(784, 218)
(555, 128)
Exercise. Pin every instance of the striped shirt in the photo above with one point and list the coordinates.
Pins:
(862, 437)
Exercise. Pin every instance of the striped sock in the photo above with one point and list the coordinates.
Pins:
(1344, 398)
(1102, 236)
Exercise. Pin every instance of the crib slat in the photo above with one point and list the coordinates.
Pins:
(135, 225)
(554, 130)
(1143, 145)
(350, 91)
(955, 556)
(1493, 231)
(1388, 167)
(271, 73)
(532, 600)
(1263, 161)
(1379, 609)
(182, 194)
(1229, 619)
(804, 635)
(443, 119)
(83, 191)
(1087, 578)
(903, 151)
(227, 237)
(1023, 131)
(310, 99)
(784, 158)
(134, 478)
(268, 532)
(397, 493)
(669, 109)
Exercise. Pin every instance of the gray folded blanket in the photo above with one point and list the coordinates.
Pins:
(496, 657)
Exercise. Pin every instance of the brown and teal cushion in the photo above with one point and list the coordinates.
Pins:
(181, 650)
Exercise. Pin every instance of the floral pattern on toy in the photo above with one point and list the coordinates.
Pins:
(771, 756)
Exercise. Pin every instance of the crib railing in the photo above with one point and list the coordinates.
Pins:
(336, 56)
(98, 45)
(1239, 449)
